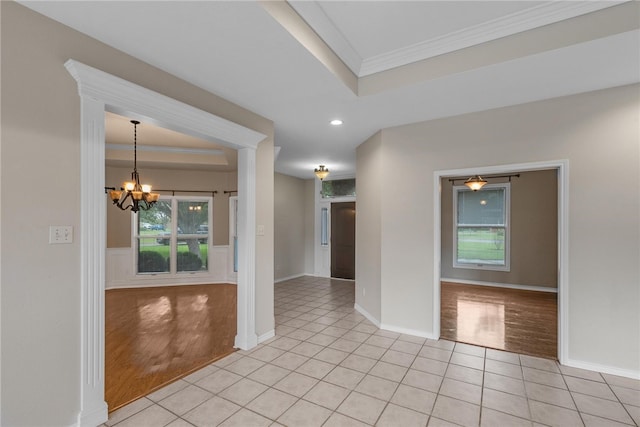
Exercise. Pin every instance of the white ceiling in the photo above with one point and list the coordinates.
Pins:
(162, 148)
(241, 52)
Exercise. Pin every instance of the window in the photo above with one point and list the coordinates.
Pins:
(481, 227)
(338, 188)
(173, 236)
(324, 226)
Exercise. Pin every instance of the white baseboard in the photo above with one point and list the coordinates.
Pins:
(406, 331)
(392, 328)
(267, 336)
(368, 315)
(628, 373)
(501, 285)
(151, 284)
(95, 417)
(295, 276)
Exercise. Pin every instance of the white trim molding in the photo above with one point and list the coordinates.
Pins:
(368, 315)
(295, 276)
(604, 369)
(517, 22)
(527, 19)
(315, 16)
(502, 285)
(322, 253)
(93, 242)
(127, 98)
(406, 331)
(100, 92)
(562, 168)
(266, 336)
(246, 337)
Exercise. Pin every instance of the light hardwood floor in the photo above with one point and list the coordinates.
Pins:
(157, 335)
(514, 320)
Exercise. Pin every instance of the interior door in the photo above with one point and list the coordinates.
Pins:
(343, 240)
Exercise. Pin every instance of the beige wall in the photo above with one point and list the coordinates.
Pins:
(289, 224)
(265, 320)
(533, 228)
(40, 133)
(598, 133)
(369, 161)
(309, 227)
(119, 223)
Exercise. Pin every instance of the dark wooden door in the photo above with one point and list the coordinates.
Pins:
(343, 240)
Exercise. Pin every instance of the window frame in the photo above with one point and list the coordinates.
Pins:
(342, 196)
(173, 238)
(324, 226)
(507, 229)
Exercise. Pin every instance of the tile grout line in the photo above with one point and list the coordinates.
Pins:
(337, 307)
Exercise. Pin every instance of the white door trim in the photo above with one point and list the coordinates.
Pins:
(100, 91)
(322, 254)
(562, 166)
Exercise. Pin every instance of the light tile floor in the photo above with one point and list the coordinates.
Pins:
(329, 366)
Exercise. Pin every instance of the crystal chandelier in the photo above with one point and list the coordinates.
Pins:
(132, 195)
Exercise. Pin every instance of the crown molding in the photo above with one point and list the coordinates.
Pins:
(165, 149)
(527, 19)
(313, 14)
(113, 90)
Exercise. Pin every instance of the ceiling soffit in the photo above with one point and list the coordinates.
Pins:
(163, 148)
(509, 24)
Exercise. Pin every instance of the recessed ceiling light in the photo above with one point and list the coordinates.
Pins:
(336, 122)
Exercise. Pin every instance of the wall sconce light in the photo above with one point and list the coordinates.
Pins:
(321, 172)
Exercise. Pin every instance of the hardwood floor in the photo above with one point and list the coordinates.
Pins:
(157, 335)
(506, 319)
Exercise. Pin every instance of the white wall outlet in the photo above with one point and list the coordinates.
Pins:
(260, 230)
(60, 234)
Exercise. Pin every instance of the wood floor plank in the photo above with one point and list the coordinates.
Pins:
(518, 321)
(154, 336)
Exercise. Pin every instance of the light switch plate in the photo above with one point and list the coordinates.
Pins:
(60, 234)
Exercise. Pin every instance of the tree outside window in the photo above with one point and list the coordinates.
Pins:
(173, 236)
(481, 227)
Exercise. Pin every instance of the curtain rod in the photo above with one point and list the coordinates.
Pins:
(173, 192)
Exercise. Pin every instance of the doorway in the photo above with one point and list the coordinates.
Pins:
(100, 91)
(343, 240)
(558, 249)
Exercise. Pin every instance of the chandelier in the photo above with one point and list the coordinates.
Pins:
(475, 182)
(321, 172)
(132, 195)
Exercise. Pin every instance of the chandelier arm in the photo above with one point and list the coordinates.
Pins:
(138, 193)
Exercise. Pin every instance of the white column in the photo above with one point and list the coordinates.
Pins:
(246, 337)
(93, 408)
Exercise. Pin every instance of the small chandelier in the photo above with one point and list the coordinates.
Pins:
(321, 172)
(475, 182)
(132, 195)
